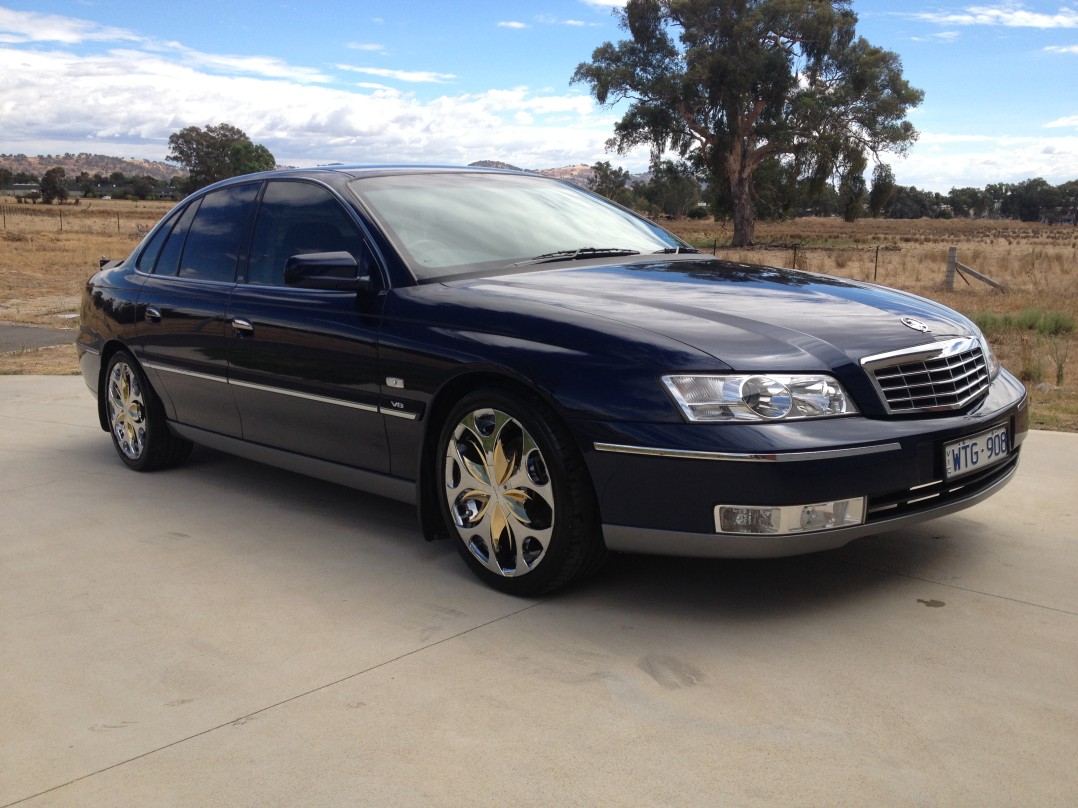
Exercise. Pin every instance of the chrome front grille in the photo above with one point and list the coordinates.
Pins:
(943, 376)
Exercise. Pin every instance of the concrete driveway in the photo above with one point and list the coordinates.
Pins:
(229, 634)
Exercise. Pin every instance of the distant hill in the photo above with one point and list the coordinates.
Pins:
(494, 164)
(579, 174)
(75, 164)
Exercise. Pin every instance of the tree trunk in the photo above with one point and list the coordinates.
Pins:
(744, 216)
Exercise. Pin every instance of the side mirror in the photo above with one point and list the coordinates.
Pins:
(330, 270)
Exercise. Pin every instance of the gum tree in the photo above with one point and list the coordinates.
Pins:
(52, 186)
(729, 84)
(216, 153)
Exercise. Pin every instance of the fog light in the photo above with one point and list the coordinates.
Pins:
(786, 519)
(830, 515)
(733, 519)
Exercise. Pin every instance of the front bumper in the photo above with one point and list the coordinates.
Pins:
(658, 485)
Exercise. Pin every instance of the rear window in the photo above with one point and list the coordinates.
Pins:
(216, 236)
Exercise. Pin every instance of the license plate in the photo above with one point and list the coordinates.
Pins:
(978, 452)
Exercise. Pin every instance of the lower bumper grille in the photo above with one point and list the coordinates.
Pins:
(935, 494)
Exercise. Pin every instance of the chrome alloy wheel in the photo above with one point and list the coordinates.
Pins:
(127, 410)
(499, 492)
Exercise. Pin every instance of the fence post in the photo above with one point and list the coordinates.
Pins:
(876, 270)
(952, 262)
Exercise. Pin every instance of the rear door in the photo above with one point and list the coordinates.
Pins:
(181, 340)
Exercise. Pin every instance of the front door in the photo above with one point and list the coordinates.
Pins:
(303, 363)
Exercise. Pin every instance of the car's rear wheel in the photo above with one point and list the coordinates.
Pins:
(516, 495)
(136, 418)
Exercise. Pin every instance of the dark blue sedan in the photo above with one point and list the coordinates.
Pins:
(547, 376)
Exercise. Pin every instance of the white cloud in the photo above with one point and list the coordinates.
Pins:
(942, 36)
(512, 24)
(1063, 122)
(1011, 15)
(604, 4)
(129, 102)
(1062, 49)
(29, 26)
(548, 19)
(940, 161)
(366, 46)
(267, 66)
(411, 76)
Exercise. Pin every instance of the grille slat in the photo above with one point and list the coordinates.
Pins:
(944, 376)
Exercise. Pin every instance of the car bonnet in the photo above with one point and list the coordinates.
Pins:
(746, 316)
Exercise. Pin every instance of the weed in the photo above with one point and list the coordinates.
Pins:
(1058, 348)
(1031, 361)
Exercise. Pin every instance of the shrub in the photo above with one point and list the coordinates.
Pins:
(1045, 323)
(1055, 323)
(993, 325)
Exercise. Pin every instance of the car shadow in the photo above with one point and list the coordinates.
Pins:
(334, 513)
(680, 587)
(763, 589)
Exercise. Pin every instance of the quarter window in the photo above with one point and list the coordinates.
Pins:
(148, 257)
(169, 259)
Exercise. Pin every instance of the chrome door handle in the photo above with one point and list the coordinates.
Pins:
(242, 327)
(153, 314)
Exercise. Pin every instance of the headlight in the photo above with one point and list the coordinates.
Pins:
(990, 358)
(758, 397)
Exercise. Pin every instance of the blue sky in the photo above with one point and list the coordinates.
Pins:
(454, 82)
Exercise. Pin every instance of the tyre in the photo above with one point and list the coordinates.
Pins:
(515, 494)
(136, 418)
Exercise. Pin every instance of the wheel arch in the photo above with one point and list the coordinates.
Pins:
(440, 406)
(108, 350)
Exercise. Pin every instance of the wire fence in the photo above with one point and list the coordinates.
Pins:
(908, 266)
(28, 218)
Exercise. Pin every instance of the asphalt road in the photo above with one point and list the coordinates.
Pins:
(17, 337)
(229, 634)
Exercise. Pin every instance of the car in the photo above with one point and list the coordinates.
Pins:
(547, 376)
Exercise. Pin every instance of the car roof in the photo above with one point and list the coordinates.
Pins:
(378, 170)
(358, 171)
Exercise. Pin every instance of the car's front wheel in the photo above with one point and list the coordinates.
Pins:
(136, 418)
(515, 494)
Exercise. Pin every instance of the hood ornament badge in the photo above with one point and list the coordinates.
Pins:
(916, 325)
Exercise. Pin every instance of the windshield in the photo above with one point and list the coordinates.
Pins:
(445, 224)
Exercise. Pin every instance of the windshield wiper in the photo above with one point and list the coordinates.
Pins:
(676, 251)
(578, 254)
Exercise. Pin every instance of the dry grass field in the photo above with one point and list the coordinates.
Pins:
(45, 259)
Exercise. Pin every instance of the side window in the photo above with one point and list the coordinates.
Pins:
(297, 218)
(148, 257)
(214, 242)
(168, 261)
